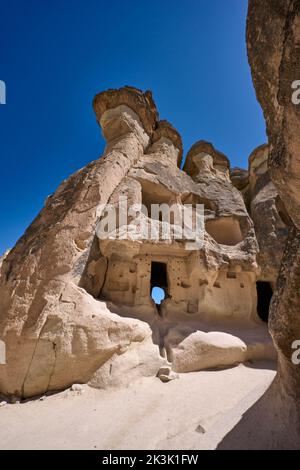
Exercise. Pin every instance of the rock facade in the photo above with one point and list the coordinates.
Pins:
(264, 207)
(76, 307)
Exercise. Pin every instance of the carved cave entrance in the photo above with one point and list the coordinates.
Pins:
(264, 296)
(158, 282)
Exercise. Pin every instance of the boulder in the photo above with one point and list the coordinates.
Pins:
(201, 350)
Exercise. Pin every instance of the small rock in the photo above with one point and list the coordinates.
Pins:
(3, 403)
(200, 429)
(168, 378)
(43, 398)
(165, 370)
(166, 374)
(164, 378)
(77, 388)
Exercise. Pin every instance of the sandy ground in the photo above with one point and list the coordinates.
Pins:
(193, 412)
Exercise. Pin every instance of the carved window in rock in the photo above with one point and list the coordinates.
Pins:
(154, 196)
(227, 230)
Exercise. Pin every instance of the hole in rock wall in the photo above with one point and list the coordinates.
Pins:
(264, 296)
(158, 282)
(156, 194)
(158, 294)
(225, 230)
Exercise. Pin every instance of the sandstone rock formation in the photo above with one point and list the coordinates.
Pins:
(270, 229)
(240, 179)
(216, 280)
(207, 350)
(76, 306)
(263, 204)
(55, 332)
(273, 35)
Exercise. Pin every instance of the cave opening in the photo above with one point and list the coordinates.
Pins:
(158, 282)
(264, 296)
(227, 230)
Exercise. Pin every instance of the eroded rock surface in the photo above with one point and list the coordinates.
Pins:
(55, 332)
(273, 35)
(202, 350)
(76, 307)
(270, 229)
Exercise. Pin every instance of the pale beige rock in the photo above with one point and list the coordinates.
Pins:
(166, 374)
(214, 281)
(201, 350)
(55, 332)
(77, 307)
(138, 360)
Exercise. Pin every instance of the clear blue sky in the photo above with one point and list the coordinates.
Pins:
(56, 55)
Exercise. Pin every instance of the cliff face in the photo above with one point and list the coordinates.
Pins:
(201, 281)
(77, 306)
(266, 211)
(55, 333)
(270, 228)
(273, 37)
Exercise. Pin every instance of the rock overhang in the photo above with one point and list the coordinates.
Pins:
(140, 102)
(165, 129)
(198, 150)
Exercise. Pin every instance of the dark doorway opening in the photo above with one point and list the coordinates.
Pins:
(264, 296)
(158, 282)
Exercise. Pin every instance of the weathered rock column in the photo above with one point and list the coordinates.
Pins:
(127, 117)
(166, 142)
(45, 318)
(203, 161)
